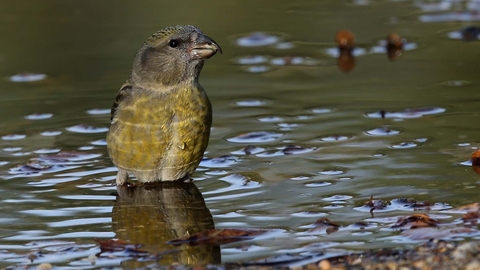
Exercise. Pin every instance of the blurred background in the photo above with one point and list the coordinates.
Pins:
(294, 138)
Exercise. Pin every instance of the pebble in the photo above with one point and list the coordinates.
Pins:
(44, 266)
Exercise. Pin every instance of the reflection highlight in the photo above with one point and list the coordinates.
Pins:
(152, 214)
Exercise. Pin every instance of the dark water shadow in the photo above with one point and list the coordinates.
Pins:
(152, 214)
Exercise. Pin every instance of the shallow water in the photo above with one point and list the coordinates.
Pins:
(293, 139)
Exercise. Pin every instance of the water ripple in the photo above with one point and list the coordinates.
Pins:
(236, 182)
(47, 151)
(90, 172)
(219, 162)
(270, 119)
(12, 149)
(50, 133)
(250, 103)
(80, 222)
(296, 149)
(88, 197)
(382, 131)
(336, 138)
(450, 17)
(318, 184)
(249, 150)
(257, 39)
(256, 68)
(53, 181)
(86, 129)
(36, 168)
(337, 198)
(99, 111)
(332, 172)
(255, 137)
(294, 61)
(69, 211)
(13, 137)
(407, 113)
(404, 145)
(322, 110)
(100, 142)
(38, 116)
(27, 77)
(251, 60)
(89, 235)
(401, 204)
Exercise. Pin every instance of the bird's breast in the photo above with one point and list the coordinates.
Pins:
(161, 131)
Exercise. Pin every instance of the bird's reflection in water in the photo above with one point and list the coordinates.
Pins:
(152, 214)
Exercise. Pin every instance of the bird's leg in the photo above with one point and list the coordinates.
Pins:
(122, 177)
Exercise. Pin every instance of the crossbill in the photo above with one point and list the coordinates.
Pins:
(161, 117)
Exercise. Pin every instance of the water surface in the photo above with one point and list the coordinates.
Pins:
(293, 139)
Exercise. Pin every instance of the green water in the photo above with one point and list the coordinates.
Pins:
(86, 49)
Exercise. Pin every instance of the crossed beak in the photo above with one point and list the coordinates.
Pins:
(204, 48)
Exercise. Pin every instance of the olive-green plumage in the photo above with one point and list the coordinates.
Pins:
(161, 118)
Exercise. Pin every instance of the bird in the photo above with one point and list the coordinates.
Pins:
(161, 118)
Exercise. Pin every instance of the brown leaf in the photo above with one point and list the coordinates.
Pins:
(421, 204)
(117, 245)
(476, 161)
(331, 229)
(361, 224)
(345, 39)
(415, 221)
(394, 46)
(376, 204)
(346, 42)
(471, 215)
(470, 207)
(216, 237)
(413, 203)
(325, 224)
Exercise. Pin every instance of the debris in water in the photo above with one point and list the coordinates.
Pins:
(394, 46)
(346, 42)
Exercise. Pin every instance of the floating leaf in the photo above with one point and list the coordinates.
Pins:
(394, 46)
(470, 33)
(415, 221)
(471, 215)
(476, 161)
(345, 39)
(469, 207)
(413, 203)
(325, 224)
(346, 43)
(376, 204)
(110, 245)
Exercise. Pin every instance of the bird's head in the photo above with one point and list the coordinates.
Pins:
(173, 55)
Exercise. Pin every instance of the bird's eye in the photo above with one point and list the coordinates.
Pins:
(173, 43)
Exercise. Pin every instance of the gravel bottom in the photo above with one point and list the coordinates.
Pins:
(433, 255)
(430, 256)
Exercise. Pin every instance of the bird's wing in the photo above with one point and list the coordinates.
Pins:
(124, 91)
